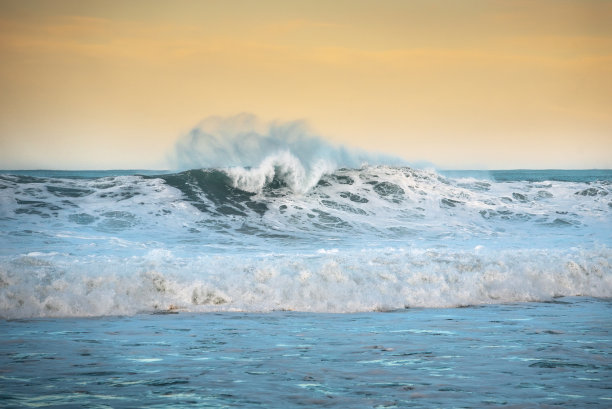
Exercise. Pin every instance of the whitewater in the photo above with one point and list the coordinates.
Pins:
(289, 236)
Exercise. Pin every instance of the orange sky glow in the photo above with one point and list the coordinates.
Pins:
(471, 84)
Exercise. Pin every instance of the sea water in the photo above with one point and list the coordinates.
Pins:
(276, 286)
(554, 354)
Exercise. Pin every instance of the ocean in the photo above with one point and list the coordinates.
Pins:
(371, 286)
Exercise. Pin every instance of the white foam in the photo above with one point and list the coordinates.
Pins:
(353, 208)
(286, 167)
(343, 281)
(364, 239)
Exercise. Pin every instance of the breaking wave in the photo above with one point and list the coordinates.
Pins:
(254, 152)
(38, 285)
(288, 234)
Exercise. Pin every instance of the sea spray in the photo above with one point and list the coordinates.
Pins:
(286, 168)
(254, 152)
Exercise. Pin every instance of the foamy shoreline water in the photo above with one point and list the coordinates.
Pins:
(60, 285)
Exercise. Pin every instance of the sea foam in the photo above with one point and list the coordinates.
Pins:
(342, 281)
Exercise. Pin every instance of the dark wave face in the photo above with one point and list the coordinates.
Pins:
(278, 237)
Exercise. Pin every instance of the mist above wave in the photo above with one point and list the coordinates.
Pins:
(253, 152)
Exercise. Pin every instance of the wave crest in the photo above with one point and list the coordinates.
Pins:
(284, 166)
(253, 152)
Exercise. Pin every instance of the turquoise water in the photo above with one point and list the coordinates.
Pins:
(534, 175)
(555, 354)
(287, 286)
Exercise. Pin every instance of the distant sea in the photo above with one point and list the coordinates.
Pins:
(377, 286)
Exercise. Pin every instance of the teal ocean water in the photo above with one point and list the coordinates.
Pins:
(375, 238)
(528, 355)
(292, 286)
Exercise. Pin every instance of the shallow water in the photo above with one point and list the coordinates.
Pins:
(515, 355)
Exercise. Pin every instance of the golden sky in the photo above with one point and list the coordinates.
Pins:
(462, 84)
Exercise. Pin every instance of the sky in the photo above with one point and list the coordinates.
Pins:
(461, 84)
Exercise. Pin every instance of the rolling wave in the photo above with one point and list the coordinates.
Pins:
(276, 237)
(245, 204)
